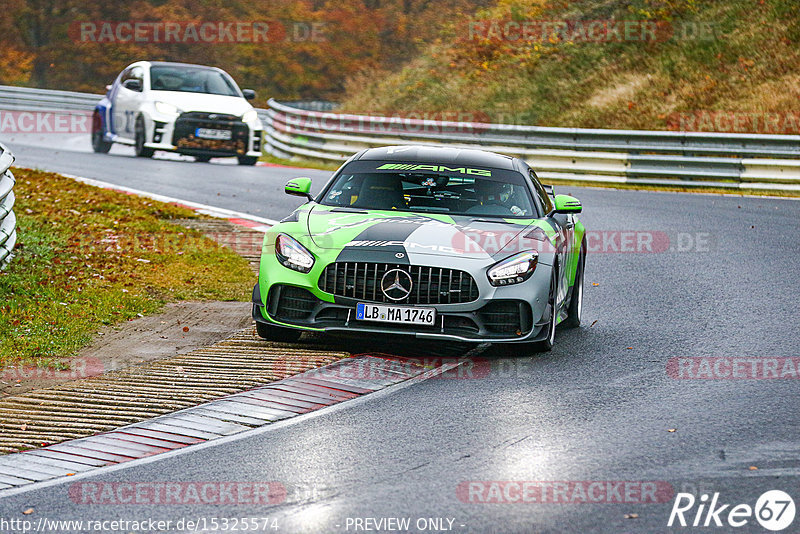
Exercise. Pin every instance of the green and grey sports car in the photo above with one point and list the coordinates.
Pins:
(431, 242)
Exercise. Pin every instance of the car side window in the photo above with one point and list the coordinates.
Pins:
(544, 198)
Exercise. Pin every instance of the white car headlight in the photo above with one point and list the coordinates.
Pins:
(292, 254)
(513, 270)
(250, 116)
(167, 109)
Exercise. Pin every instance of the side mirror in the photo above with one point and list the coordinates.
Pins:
(567, 204)
(132, 84)
(249, 94)
(299, 187)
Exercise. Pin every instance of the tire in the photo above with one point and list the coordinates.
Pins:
(247, 160)
(141, 150)
(546, 345)
(573, 319)
(202, 159)
(99, 145)
(276, 333)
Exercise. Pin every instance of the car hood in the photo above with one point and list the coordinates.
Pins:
(233, 105)
(372, 235)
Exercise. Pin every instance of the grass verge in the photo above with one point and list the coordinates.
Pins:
(88, 257)
(706, 63)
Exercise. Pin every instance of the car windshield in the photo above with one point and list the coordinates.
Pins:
(191, 80)
(423, 188)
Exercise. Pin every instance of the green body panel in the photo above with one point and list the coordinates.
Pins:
(271, 271)
(577, 241)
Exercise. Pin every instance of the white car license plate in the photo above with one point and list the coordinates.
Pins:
(210, 133)
(395, 314)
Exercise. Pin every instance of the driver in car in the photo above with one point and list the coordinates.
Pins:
(495, 198)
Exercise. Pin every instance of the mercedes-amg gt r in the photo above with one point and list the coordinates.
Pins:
(436, 243)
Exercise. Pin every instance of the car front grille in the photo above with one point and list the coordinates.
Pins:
(187, 123)
(431, 285)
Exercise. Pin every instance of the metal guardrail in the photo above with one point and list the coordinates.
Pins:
(742, 161)
(30, 99)
(8, 221)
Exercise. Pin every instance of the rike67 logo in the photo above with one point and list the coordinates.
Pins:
(774, 510)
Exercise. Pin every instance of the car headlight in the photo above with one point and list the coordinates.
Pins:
(250, 116)
(513, 270)
(293, 255)
(167, 109)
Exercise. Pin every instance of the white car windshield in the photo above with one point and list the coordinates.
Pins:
(191, 80)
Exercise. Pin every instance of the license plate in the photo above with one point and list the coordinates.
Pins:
(210, 133)
(395, 314)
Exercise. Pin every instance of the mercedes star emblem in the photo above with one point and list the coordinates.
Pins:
(396, 284)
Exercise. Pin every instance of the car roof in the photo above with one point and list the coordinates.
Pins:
(171, 63)
(444, 155)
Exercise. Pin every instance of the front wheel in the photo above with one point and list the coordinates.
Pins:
(99, 145)
(547, 343)
(141, 150)
(247, 160)
(276, 333)
(202, 159)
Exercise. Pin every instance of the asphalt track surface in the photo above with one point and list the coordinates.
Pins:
(599, 407)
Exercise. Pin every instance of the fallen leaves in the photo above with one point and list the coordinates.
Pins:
(671, 429)
(29, 511)
(631, 516)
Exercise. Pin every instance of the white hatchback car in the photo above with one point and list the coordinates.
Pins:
(178, 107)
